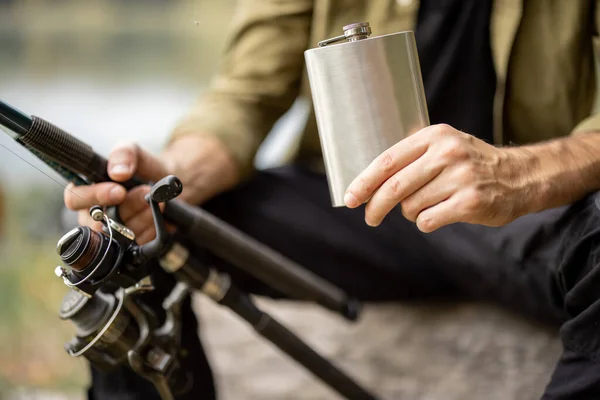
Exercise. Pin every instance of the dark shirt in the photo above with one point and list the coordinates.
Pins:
(453, 40)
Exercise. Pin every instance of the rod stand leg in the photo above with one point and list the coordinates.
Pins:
(221, 289)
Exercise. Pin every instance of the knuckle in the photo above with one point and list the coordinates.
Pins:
(411, 207)
(135, 150)
(468, 172)
(473, 201)
(135, 198)
(445, 129)
(386, 161)
(146, 219)
(365, 186)
(441, 130)
(125, 210)
(409, 211)
(396, 187)
(454, 149)
(102, 196)
(146, 236)
(126, 145)
(466, 137)
(372, 213)
(125, 150)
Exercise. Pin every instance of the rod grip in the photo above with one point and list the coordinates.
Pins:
(69, 151)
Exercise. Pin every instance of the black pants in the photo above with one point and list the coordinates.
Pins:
(544, 266)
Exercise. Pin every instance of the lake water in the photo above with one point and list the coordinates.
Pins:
(100, 114)
(105, 70)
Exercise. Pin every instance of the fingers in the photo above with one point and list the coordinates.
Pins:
(84, 219)
(400, 186)
(146, 236)
(445, 213)
(142, 225)
(134, 210)
(127, 159)
(141, 222)
(137, 215)
(134, 202)
(434, 192)
(383, 167)
(122, 161)
(84, 197)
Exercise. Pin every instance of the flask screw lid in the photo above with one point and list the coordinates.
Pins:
(352, 33)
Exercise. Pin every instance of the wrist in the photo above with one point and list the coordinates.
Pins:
(185, 152)
(554, 173)
(203, 164)
(529, 180)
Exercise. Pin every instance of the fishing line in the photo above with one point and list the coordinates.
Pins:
(48, 176)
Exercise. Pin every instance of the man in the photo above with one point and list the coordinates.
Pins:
(495, 201)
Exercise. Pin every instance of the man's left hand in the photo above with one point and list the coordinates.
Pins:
(440, 176)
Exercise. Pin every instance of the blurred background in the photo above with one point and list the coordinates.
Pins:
(103, 70)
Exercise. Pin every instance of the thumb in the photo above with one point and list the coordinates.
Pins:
(128, 159)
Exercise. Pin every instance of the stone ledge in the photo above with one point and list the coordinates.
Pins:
(415, 352)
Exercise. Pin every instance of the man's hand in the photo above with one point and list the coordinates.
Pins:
(125, 160)
(202, 163)
(440, 175)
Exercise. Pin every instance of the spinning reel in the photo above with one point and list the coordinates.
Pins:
(106, 271)
(94, 258)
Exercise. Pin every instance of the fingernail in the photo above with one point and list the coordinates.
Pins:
(120, 169)
(116, 193)
(350, 200)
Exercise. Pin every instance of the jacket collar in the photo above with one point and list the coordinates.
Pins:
(506, 17)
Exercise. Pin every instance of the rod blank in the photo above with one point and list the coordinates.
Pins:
(13, 119)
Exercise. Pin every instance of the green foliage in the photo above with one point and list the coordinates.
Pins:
(31, 334)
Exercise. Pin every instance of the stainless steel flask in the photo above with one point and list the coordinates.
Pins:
(368, 95)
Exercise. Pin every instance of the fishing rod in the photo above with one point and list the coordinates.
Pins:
(78, 158)
(107, 271)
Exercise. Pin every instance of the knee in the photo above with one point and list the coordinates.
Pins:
(580, 285)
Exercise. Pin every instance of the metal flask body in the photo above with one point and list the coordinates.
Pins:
(368, 95)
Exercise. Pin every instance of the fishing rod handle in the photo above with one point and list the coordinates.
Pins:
(228, 243)
(69, 151)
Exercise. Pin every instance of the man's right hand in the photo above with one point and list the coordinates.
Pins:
(202, 163)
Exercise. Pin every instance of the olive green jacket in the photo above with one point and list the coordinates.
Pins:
(543, 54)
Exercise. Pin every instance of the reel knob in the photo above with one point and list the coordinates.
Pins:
(166, 189)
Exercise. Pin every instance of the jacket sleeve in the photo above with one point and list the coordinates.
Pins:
(592, 123)
(258, 78)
